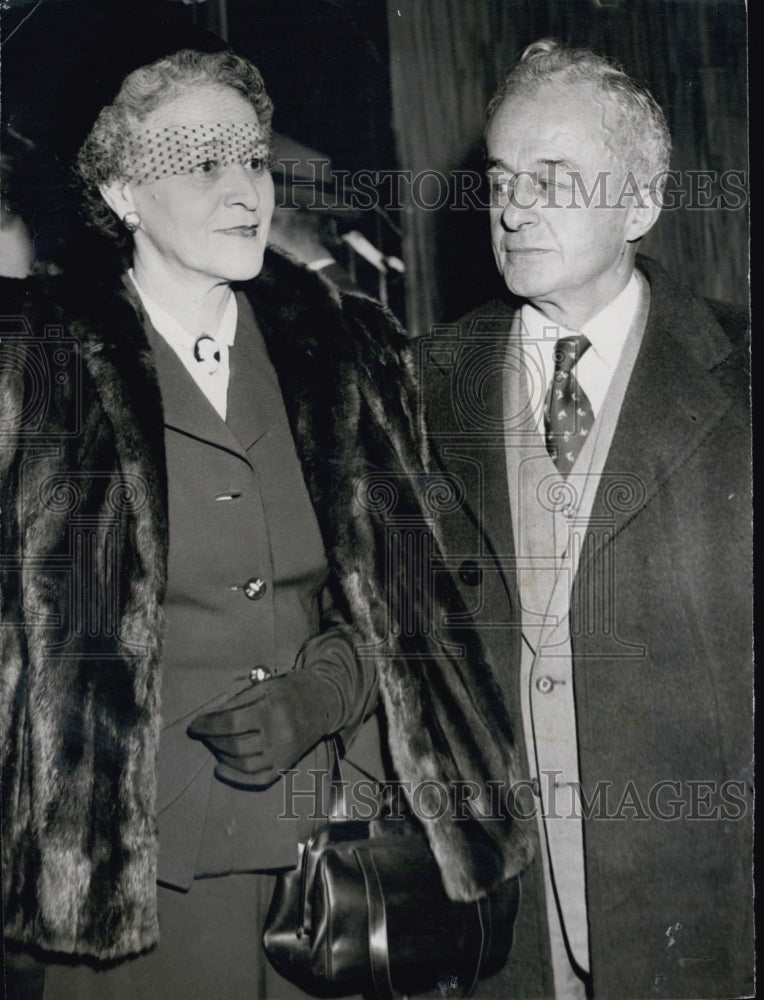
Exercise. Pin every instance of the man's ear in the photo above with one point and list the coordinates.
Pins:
(643, 213)
(118, 196)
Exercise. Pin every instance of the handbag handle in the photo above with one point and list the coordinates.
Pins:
(337, 787)
(379, 951)
(336, 815)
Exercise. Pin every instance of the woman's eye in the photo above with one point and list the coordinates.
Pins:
(207, 166)
(257, 164)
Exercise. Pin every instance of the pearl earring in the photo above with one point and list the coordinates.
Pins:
(131, 221)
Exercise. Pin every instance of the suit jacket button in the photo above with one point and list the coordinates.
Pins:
(470, 573)
(259, 674)
(545, 685)
(255, 588)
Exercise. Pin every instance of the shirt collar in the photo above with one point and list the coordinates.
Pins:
(176, 334)
(606, 331)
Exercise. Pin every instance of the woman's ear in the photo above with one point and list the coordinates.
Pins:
(118, 196)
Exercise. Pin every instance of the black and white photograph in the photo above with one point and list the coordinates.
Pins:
(376, 557)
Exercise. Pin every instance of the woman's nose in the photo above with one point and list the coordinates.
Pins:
(242, 186)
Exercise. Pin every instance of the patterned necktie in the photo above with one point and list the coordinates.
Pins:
(569, 415)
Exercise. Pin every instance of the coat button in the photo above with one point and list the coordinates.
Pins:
(255, 588)
(258, 674)
(470, 573)
(544, 685)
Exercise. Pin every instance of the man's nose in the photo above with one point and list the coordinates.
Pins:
(522, 203)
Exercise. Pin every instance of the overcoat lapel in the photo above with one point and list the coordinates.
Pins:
(671, 404)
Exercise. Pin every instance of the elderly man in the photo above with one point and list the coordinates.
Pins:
(597, 434)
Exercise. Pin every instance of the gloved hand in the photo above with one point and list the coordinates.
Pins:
(268, 728)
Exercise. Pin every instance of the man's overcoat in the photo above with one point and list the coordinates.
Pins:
(660, 628)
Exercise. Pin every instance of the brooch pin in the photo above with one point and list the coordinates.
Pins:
(207, 352)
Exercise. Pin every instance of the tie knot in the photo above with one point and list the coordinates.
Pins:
(568, 350)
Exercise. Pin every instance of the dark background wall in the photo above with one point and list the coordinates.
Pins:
(377, 85)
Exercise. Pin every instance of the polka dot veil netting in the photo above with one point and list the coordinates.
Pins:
(186, 149)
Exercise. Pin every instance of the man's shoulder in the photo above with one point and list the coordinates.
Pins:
(492, 316)
(671, 296)
(734, 320)
(710, 334)
(456, 360)
(447, 345)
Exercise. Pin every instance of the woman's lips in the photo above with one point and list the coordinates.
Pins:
(245, 231)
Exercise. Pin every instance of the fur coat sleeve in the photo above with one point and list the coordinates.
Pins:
(82, 640)
(82, 565)
(357, 423)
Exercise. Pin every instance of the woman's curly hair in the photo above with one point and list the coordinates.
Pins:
(104, 155)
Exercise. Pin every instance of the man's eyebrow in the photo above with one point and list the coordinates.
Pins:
(565, 164)
(494, 161)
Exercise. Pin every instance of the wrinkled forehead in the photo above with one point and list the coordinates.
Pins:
(155, 153)
(554, 119)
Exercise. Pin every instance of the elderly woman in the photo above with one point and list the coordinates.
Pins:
(201, 464)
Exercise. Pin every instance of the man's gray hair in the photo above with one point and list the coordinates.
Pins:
(637, 134)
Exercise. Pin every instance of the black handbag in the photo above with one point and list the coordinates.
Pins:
(365, 912)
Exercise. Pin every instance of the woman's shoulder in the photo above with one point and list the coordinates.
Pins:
(287, 294)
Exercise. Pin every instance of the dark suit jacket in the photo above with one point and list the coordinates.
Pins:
(661, 638)
(215, 635)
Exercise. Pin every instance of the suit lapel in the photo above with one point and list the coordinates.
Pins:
(186, 408)
(253, 388)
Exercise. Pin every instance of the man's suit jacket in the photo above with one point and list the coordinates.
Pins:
(660, 628)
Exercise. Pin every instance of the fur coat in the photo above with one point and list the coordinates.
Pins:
(83, 561)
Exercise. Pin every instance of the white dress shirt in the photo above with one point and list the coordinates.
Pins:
(606, 332)
(211, 378)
